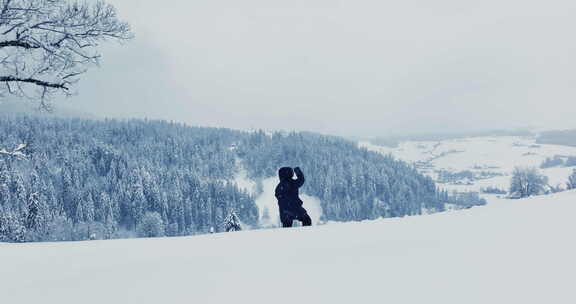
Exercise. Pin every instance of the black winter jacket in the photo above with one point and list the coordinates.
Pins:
(287, 190)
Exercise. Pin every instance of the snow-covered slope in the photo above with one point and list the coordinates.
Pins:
(519, 251)
(268, 205)
(266, 202)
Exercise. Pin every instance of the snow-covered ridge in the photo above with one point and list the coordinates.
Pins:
(518, 251)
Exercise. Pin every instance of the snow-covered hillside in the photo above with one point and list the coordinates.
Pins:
(495, 156)
(266, 202)
(517, 251)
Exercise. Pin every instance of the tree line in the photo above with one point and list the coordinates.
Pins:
(85, 179)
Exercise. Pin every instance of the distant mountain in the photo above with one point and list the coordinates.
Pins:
(559, 137)
(394, 140)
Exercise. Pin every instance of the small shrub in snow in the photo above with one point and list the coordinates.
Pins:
(570, 161)
(555, 189)
(493, 190)
(464, 200)
(550, 162)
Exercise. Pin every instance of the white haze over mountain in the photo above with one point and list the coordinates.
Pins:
(350, 67)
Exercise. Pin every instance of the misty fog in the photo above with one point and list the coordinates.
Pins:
(345, 67)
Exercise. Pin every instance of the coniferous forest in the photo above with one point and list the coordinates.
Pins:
(90, 179)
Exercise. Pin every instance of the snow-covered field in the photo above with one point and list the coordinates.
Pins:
(497, 155)
(516, 251)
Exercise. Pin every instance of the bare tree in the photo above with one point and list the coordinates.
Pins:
(45, 45)
(527, 182)
(571, 184)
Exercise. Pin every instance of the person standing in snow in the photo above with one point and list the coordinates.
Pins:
(287, 194)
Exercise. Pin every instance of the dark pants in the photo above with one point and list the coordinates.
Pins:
(287, 217)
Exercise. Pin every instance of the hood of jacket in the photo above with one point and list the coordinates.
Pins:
(285, 173)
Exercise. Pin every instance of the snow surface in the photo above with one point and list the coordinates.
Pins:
(513, 251)
(502, 152)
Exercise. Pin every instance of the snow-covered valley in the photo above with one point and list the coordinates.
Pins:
(494, 157)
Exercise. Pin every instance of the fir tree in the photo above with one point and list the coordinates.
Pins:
(12, 229)
(151, 225)
(232, 222)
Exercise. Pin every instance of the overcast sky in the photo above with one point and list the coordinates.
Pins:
(348, 67)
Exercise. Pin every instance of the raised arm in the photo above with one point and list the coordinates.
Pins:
(299, 177)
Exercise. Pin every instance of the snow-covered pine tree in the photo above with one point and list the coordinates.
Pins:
(108, 216)
(232, 222)
(11, 228)
(19, 196)
(33, 206)
(151, 225)
(5, 193)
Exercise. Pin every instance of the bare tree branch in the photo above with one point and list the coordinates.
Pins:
(49, 44)
(16, 43)
(33, 81)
